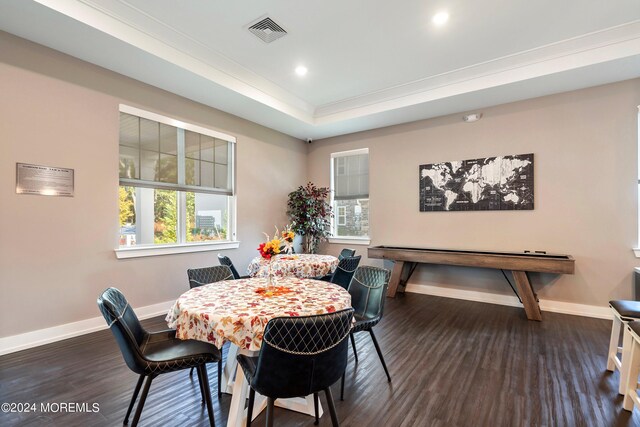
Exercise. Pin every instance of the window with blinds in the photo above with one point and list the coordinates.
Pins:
(350, 193)
(176, 181)
(351, 177)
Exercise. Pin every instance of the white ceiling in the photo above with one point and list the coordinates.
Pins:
(372, 63)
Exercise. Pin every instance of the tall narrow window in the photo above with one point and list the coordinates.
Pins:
(350, 194)
(176, 181)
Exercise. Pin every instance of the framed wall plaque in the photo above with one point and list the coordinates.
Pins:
(44, 180)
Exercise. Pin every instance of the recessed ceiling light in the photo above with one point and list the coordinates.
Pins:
(301, 70)
(440, 18)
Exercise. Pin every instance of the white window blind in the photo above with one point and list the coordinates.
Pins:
(351, 176)
(155, 154)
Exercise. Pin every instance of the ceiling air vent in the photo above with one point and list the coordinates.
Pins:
(267, 30)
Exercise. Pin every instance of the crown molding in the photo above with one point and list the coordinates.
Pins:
(603, 46)
(163, 56)
(215, 67)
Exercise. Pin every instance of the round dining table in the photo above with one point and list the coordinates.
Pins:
(238, 311)
(298, 265)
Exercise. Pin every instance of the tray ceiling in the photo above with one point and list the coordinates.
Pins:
(371, 63)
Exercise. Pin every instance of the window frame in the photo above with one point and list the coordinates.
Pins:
(183, 246)
(636, 250)
(351, 240)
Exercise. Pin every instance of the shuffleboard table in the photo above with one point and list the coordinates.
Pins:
(520, 263)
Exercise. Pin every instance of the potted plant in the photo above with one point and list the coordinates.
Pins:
(310, 215)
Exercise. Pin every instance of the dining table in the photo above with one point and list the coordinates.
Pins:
(237, 311)
(298, 265)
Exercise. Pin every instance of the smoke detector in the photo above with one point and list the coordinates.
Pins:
(469, 118)
(267, 30)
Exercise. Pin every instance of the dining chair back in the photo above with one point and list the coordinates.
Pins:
(125, 326)
(151, 354)
(225, 260)
(368, 290)
(204, 276)
(345, 270)
(299, 356)
(346, 253)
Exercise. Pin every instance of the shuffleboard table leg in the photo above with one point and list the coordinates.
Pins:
(394, 281)
(531, 307)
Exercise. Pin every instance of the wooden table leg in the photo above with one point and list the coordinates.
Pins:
(229, 369)
(237, 414)
(531, 307)
(394, 281)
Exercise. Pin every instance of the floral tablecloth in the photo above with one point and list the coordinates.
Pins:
(302, 265)
(237, 311)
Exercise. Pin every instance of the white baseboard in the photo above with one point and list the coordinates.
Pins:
(27, 340)
(32, 339)
(512, 301)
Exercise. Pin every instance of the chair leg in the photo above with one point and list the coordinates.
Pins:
(332, 408)
(630, 380)
(219, 379)
(143, 398)
(342, 385)
(201, 388)
(252, 398)
(191, 372)
(375, 343)
(133, 399)
(353, 344)
(627, 344)
(613, 343)
(315, 407)
(270, 404)
(202, 369)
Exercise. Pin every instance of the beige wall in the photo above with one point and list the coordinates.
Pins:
(56, 253)
(585, 145)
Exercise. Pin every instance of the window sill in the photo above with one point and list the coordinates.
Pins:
(636, 252)
(350, 240)
(144, 251)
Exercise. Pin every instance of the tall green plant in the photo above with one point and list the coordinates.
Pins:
(310, 215)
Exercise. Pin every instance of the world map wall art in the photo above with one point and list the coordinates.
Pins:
(492, 183)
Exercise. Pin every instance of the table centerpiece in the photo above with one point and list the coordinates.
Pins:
(282, 242)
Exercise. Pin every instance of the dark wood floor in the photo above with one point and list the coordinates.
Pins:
(452, 363)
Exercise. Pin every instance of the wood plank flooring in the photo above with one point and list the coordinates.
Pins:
(452, 363)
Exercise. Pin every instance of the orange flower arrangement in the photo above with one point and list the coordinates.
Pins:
(273, 291)
(279, 243)
(270, 248)
(288, 235)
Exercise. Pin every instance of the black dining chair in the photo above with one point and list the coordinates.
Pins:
(346, 253)
(368, 291)
(204, 276)
(150, 354)
(299, 356)
(225, 260)
(344, 271)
